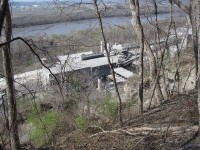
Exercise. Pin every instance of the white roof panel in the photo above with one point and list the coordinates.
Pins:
(123, 72)
(75, 62)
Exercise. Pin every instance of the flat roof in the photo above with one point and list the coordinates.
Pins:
(123, 72)
(23, 78)
(74, 62)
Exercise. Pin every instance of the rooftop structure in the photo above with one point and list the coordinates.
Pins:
(123, 72)
(75, 62)
(121, 75)
(96, 63)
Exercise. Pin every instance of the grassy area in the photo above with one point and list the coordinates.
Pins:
(42, 126)
(80, 122)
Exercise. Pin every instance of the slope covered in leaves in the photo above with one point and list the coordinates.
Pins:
(168, 126)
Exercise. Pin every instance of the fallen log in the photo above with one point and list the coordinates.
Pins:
(142, 131)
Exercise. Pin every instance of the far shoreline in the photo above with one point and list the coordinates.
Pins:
(25, 25)
(48, 16)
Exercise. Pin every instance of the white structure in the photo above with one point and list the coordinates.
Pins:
(121, 75)
(183, 34)
(30, 79)
(101, 47)
(123, 72)
(99, 88)
(64, 64)
(118, 47)
(74, 62)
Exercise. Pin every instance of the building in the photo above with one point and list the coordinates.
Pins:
(95, 64)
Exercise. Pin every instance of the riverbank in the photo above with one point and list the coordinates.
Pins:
(71, 27)
(58, 14)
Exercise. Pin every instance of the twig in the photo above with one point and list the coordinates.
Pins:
(190, 146)
(187, 77)
(98, 13)
(141, 140)
(186, 144)
(32, 50)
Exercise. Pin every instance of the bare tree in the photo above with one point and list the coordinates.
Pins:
(141, 40)
(10, 89)
(190, 10)
(109, 61)
(193, 10)
(136, 23)
(198, 25)
(3, 8)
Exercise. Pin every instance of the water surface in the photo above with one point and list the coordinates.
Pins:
(67, 27)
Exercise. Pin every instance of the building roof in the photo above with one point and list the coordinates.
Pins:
(74, 62)
(23, 78)
(123, 72)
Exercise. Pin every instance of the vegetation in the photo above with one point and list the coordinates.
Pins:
(156, 108)
(24, 60)
(42, 127)
(108, 107)
(80, 122)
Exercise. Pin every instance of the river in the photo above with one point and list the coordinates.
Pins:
(68, 27)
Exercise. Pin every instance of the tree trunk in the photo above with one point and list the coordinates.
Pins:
(194, 13)
(193, 20)
(10, 89)
(141, 40)
(109, 62)
(191, 11)
(198, 25)
(3, 6)
(152, 61)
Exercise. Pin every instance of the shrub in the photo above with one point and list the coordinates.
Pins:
(42, 126)
(80, 122)
(20, 102)
(108, 107)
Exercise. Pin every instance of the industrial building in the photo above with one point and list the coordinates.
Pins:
(123, 58)
(95, 64)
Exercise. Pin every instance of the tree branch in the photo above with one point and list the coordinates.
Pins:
(3, 8)
(32, 50)
(181, 5)
(109, 61)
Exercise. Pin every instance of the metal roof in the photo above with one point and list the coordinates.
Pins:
(123, 72)
(75, 62)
